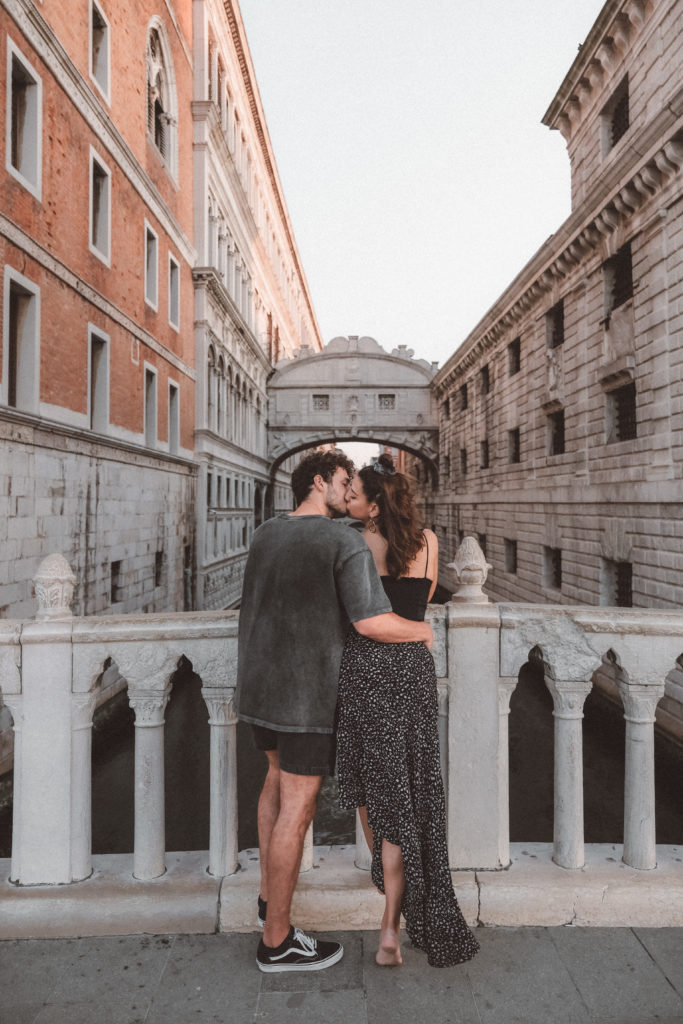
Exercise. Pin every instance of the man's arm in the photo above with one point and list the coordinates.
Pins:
(390, 628)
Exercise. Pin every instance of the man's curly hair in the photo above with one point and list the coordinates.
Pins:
(324, 464)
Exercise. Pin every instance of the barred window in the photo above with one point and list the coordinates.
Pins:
(616, 116)
(321, 403)
(514, 356)
(514, 452)
(387, 401)
(618, 278)
(555, 422)
(463, 396)
(621, 414)
(552, 568)
(485, 380)
(483, 454)
(481, 540)
(510, 555)
(617, 583)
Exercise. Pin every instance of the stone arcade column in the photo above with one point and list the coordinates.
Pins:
(568, 699)
(640, 702)
(506, 687)
(150, 828)
(223, 775)
(82, 710)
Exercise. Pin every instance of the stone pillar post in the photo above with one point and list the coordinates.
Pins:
(474, 811)
(44, 769)
(223, 776)
(640, 702)
(568, 700)
(506, 686)
(150, 830)
(82, 709)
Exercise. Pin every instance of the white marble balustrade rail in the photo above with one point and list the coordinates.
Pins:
(50, 667)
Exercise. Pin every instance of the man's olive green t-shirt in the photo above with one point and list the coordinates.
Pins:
(307, 578)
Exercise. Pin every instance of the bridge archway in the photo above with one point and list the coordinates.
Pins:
(354, 390)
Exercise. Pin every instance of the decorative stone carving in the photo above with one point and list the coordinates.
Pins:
(471, 568)
(149, 707)
(220, 706)
(54, 585)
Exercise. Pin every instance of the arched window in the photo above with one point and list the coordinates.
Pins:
(162, 104)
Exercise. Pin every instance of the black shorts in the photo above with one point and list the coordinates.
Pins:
(299, 753)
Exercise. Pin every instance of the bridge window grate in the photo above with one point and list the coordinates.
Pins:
(321, 403)
(387, 402)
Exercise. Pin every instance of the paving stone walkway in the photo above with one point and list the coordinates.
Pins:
(522, 976)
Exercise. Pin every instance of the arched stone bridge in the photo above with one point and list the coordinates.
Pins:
(353, 391)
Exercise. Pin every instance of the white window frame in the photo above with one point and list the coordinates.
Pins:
(34, 186)
(173, 418)
(151, 440)
(33, 404)
(105, 88)
(152, 301)
(100, 335)
(102, 254)
(173, 263)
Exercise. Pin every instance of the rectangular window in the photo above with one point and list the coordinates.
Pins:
(463, 461)
(621, 413)
(555, 432)
(481, 540)
(387, 402)
(618, 279)
(484, 380)
(98, 395)
(151, 267)
(446, 407)
(99, 49)
(616, 584)
(24, 121)
(158, 567)
(209, 486)
(173, 292)
(615, 117)
(150, 408)
(463, 397)
(100, 208)
(552, 568)
(554, 325)
(510, 555)
(514, 449)
(483, 455)
(21, 342)
(116, 583)
(514, 356)
(173, 418)
(321, 403)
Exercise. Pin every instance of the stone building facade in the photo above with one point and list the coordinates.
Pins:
(150, 282)
(561, 415)
(96, 255)
(252, 306)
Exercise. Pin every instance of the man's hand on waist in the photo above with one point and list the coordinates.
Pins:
(390, 628)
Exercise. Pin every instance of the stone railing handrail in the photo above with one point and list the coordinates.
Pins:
(50, 670)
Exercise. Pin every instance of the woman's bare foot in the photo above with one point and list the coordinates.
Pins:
(389, 952)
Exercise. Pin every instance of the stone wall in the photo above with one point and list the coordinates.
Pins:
(124, 519)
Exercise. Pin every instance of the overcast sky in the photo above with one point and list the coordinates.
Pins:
(418, 176)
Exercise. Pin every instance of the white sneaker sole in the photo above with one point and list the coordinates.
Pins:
(319, 965)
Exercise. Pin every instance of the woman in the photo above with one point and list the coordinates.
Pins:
(387, 742)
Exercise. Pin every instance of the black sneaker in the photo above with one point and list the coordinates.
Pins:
(298, 952)
(261, 914)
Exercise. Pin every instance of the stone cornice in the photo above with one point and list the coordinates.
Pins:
(612, 35)
(18, 237)
(239, 39)
(42, 39)
(610, 205)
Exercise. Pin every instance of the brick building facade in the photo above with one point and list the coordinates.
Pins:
(561, 415)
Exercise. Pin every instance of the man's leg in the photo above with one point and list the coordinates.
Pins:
(298, 796)
(268, 810)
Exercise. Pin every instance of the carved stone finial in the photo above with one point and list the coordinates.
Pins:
(471, 568)
(54, 585)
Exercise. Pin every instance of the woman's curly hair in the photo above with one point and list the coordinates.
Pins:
(398, 519)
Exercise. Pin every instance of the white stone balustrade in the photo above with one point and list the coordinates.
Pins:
(50, 670)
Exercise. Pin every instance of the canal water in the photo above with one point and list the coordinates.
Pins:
(531, 775)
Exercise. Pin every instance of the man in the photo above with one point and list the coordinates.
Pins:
(307, 578)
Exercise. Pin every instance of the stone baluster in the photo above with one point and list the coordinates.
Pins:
(506, 687)
(223, 784)
(640, 702)
(150, 832)
(363, 857)
(568, 700)
(307, 856)
(82, 709)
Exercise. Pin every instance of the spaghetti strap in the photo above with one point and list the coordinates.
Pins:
(427, 562)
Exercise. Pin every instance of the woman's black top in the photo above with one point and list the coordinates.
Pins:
(409, 594)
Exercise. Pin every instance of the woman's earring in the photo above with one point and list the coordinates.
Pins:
(372, 526)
